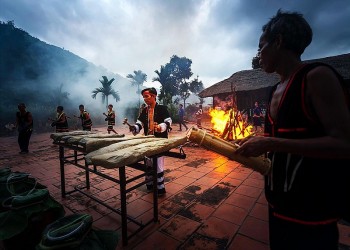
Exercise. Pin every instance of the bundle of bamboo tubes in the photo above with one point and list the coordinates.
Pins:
(225, 148)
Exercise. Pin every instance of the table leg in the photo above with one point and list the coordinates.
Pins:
(122, 179)
(155, 189)
(87, 176)
(63, 181)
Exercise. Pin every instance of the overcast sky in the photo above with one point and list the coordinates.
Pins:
(219, 36)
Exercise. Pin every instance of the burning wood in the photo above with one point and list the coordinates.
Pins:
(230, 125)
(225, 148)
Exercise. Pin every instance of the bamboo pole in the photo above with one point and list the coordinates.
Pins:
(225, 148)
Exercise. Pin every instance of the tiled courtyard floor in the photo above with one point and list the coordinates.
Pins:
(211, 203)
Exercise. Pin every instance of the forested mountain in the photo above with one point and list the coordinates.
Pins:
(43, 75)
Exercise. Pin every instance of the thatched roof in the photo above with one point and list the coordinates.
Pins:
(246, 80)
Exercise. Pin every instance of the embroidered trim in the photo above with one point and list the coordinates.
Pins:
(310, 223)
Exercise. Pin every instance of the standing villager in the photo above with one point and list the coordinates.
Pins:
(154, 120)
(84, 116)
(308, 187)
(24, 124)
(181, 117)
(257, 116)
(199, 114)
(110, 118)
(61, 122)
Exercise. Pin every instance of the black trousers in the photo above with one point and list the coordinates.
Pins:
(23, 140)
(287, 235)
(181, 122)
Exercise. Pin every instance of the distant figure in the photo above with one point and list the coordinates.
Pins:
(61, 122)
(110, 118)
(181, 117)
(199, 114)
(24, 124)
(257, 115)
(86, 122)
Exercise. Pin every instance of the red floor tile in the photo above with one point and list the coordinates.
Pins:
(231, 213)
(206, 181)
(248, 191)
(255, 229)
(218, 228)
(260, 211)
(180, 227)
(183, 180)
(241, 201)
(241, 242)
(197, 212)
(195, 174)
(344, 235)
(254, 182)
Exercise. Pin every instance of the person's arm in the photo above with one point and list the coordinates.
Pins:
(17, 121)
(167, 121)
(325, 96)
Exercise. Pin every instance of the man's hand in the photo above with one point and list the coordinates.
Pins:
(253, 146)
(132, 128)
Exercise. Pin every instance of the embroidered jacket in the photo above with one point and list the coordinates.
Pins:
(161, 116)
(85, 120)
(111, 117)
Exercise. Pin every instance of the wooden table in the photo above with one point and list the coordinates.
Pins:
(77, 158)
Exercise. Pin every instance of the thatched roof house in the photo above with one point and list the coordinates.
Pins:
(254, 85)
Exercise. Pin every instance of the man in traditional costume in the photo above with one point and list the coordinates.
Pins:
(86, 122)
(61, 122)
(154, 120)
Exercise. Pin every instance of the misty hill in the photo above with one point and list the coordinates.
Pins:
(37, 73)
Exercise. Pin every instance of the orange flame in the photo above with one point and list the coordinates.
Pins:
(230, 125)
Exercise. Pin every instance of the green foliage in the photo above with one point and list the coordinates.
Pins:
(190, 111)
(174, 77)
(180, 68)
(168, 84)
(106, 90)
(58, 96)
(138, 78)
(255, 62)
(173, 112)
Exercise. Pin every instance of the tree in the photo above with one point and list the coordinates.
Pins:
(58, 96)
(180, 68)
(138, 78)
(167, 84)
(106, 90)
(171, 76)
(186, 88)
(255, 62)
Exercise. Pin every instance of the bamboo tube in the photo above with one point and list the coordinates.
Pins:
(225, 148)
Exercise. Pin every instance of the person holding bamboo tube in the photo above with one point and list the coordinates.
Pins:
(308, 187)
